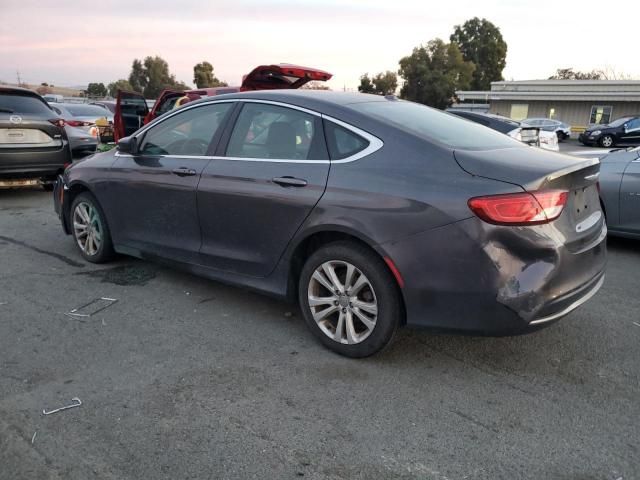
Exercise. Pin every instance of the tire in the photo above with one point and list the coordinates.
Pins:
(362, 331)
(85, 210)
(606, 141)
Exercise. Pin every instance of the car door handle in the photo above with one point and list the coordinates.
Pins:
(290, 182)
(184, 172)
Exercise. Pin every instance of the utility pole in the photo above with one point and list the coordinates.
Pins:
(18, 77)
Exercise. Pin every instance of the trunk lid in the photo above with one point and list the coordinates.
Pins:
(581, 222)
(281, 76)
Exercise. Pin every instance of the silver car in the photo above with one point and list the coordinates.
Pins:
(620, 191)
(80, 124)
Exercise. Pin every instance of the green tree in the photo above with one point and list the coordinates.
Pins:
(570, 74)
(366, 84)
(121, 84)
(481, 42)
(151, 76)
(137, 77)
(384, 83)
(433, 73)
(203, 76)
(96, 90)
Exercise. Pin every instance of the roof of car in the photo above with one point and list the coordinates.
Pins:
(327, 97)
(8, 88)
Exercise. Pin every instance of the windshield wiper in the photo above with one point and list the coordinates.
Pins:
(6, 110)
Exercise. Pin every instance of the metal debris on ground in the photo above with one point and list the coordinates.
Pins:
(33, 439)
(91, 308)
(4, 303)
(636, 324)
(76, 403)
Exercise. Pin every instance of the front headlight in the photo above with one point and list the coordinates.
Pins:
(596, 132)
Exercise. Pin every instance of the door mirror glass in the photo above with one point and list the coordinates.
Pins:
(128, 145)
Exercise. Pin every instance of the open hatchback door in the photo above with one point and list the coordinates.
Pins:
(281, 76)
(130, 114)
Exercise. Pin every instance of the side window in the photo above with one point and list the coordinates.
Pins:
(633, 124)
(271, 131)
(342, 143)
(187, 133)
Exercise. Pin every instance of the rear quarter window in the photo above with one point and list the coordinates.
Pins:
(435, 125)
(342, 143)
(23, 104)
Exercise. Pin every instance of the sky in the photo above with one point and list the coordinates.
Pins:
(70, 43)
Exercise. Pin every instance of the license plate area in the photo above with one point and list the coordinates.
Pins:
(21, 136)
(28, 182)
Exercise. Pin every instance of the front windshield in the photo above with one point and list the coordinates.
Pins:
(435, 125)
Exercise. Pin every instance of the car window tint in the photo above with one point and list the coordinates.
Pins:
(633, 124)
(186, 133)
(435, 125)
(343, 143)
(270, 131)
(87, 110)
(23, 104)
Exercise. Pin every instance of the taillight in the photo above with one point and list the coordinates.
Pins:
(525, 208)
(78, 123)
(58, 122)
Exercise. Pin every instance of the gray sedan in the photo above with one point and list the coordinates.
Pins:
(370, 211)
(620, 191)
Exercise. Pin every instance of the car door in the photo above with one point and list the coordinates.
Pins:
(631, 132)
(131, 110)
(153, 190)
(269, 172)
(630, 197)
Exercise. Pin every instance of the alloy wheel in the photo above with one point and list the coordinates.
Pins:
(343, 302)
(87, 228)
(607, 141)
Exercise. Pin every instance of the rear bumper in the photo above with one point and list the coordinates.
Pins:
(33, 164)
(471, 277)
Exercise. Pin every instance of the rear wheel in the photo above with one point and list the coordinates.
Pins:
(349, 299)
(90, 229)
(606, 141)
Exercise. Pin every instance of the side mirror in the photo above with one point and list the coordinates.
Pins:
(128, 145)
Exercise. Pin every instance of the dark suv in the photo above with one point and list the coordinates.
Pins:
(623, 131)
(33, 143)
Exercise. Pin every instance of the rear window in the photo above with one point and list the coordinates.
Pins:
(25, 104)
(434, 125)
(86, 110)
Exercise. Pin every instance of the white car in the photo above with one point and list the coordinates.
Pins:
(546, 140)
(561, 129)
(528, 134)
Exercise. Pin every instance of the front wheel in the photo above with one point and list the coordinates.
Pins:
(349, 299)
(90, 229)
(606, 141)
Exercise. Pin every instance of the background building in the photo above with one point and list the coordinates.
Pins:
(577, 102)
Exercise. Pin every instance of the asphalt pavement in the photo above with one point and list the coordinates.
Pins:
(185, 378)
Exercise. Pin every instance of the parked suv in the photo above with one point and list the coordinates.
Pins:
(33, 144)
(623, 131)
